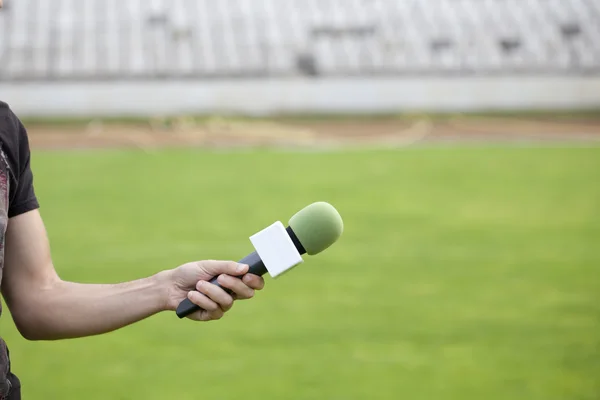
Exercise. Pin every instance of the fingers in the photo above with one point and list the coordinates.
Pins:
(242, 288)
(254, 281)
(216, 267)
(214, 300)
(216, 294)
(210, 309)
(203, 315)
(238, 287)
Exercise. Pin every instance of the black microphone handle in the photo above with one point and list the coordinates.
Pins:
(255, 266)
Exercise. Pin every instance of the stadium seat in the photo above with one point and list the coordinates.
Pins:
(129, 39)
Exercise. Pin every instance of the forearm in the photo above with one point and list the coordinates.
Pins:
(67, 310)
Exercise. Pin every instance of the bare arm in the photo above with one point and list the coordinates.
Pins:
(44, 307)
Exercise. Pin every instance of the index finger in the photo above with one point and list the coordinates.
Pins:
(218, 267)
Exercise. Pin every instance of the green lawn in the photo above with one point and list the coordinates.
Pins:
(463, 273)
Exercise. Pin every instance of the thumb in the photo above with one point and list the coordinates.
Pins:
(217, 267)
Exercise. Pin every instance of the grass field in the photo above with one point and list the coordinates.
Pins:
(463, 273)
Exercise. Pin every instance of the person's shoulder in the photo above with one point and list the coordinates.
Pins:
(10, 131)
(9, 124)
(6, 113)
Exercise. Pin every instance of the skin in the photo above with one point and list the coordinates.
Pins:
(45, 307)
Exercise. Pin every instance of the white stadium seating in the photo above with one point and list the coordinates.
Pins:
(133, 39)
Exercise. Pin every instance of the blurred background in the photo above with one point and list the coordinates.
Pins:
(457, 138)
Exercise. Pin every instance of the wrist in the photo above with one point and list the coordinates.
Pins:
(165, 287)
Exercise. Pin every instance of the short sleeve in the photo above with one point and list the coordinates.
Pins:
(23, 198)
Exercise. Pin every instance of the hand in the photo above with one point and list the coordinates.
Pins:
(189, 279)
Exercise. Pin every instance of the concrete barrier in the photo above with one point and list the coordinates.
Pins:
(291, 96)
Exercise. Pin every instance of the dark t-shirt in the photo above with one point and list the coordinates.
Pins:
(16, 197)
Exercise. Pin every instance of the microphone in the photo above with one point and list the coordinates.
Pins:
(310, 231)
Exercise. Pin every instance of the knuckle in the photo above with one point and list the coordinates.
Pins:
(256, 285)
(216, 316)
(195, 298)
(207, 265)
(196, 316)
(256, 282)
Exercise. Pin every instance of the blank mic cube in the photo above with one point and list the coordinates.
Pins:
(276, 249)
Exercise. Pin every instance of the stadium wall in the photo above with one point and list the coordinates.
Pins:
(262, 97)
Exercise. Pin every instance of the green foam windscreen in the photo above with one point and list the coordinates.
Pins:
(317, 226)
